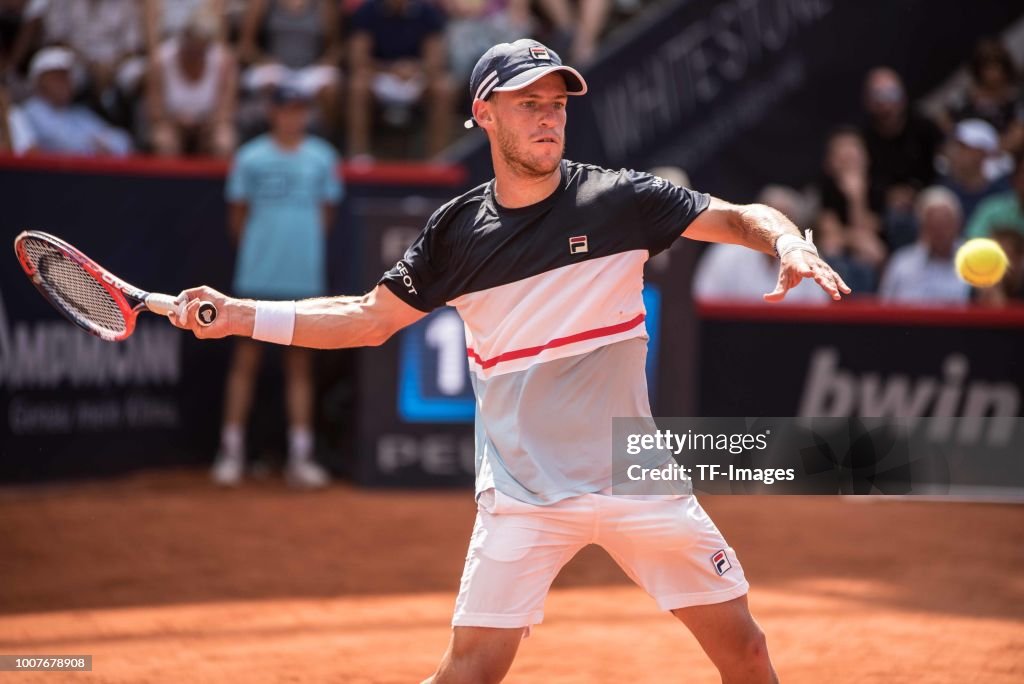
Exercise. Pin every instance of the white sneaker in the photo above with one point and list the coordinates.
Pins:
(306, 474)
(227, 470)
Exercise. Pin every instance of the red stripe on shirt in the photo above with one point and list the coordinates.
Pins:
(557, 342)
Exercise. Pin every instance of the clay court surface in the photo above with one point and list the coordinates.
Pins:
(164, 579)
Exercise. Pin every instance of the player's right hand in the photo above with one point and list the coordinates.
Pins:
(233, 316)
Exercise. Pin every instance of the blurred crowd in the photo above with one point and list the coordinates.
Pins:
(900, 190)
(193, 77)
(897, 193)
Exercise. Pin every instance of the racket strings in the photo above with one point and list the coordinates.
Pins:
(75, 289)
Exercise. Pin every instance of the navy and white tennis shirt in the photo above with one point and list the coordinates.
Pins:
(551, 297)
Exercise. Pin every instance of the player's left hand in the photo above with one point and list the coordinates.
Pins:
(800, 264)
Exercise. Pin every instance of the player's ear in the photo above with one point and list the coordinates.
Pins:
(482, 112)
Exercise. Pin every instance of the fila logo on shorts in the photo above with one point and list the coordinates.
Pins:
(721, 562)
(540, 52)
(578, 244)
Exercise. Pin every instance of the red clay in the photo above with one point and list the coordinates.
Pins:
(164, 579)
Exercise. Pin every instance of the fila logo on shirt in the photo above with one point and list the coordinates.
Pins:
(721, 562)
(578, 244)
(538, 52)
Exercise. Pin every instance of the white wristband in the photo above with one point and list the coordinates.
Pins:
(275, 322)
(787, 243)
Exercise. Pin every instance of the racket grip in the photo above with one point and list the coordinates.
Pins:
(166, 305)
(206, 314)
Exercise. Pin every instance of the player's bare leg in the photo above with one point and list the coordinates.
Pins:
(302, 470)
(732, 639)
(358, 115)
(245, 365)
(477, 655)
(440, 107)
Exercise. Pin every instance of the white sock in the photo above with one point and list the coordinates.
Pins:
(232, 441)
(300, 444)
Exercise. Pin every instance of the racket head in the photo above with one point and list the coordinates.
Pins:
(87, 294)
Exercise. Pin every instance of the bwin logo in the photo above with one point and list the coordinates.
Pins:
(831, 391)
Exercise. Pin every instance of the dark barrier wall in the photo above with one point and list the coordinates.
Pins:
(401, 414)
(855, 359)
(73, 405)
(741, 93)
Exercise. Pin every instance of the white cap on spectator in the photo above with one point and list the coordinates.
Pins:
(50, 59)
(977, 134)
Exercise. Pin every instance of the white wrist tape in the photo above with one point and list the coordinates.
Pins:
(275, 322)
(791, 243)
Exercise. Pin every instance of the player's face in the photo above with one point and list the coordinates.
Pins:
(289, 119)
(529, 125)
(56, 87)
(939, 226)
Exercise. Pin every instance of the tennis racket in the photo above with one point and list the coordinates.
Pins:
(89, 295)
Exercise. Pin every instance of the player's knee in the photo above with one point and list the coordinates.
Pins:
(750, 653)
(472, 669)
(755, 650)
(478, 656)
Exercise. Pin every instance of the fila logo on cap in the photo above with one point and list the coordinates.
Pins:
(721, 562)
(540, 52)
(578, 244)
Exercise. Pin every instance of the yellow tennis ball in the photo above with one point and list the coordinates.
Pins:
(981, 262)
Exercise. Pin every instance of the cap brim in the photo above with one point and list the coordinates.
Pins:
(33, 74)
(574, 82)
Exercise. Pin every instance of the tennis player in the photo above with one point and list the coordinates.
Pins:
(545, 265)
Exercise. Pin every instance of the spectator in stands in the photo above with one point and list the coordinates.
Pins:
(234, 17)
(167, 19)
(192, 90)
(282, 191)
(475, 25)
(106, 37)
(579, 26)
(57, 125)
(1002, 212)
(923, 273)
(974, 141)
(901, 145)
(10, 23)
(991, 94)
(1010, 290)
(849, 229)
(15, 133)
(397, 56)
(301, 45)
(716, 277)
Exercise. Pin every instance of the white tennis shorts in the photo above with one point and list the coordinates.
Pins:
(668, 546)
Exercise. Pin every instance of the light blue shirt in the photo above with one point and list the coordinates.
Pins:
(282, 253)
(913, 276)
(73, 130)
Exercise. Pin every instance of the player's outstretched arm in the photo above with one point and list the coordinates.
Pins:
(323, 323)
(767, 230)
